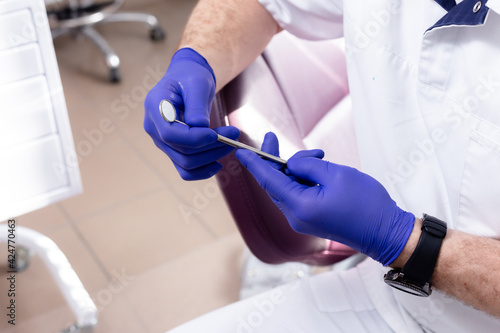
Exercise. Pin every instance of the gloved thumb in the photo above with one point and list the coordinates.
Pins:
(271, 144)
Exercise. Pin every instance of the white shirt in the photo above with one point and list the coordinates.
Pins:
(425, 88)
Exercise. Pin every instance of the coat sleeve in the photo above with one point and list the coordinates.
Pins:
(312, 19)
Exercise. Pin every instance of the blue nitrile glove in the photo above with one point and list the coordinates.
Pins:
(190, 85)
(346, 206)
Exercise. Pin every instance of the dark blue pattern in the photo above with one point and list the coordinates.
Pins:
(446, 4)
(463, 14)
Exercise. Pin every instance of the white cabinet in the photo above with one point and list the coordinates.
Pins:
(16, 26)
(38, 164)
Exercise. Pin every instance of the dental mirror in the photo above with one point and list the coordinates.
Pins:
(167, 111)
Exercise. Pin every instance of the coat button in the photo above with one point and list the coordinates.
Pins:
(477, 6)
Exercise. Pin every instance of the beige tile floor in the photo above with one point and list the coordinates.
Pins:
(131, 219)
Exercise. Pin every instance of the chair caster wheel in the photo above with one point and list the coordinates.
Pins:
(23, 257)
(157, 34)
(114, 75)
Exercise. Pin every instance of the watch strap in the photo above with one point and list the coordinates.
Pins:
(420, 267)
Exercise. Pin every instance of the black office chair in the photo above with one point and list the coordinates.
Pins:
(80, 16)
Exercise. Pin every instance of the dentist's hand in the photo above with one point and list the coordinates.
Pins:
(190, 85)
(346, 205)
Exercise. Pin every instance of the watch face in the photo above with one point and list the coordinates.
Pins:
(396, 279)
(410, 288)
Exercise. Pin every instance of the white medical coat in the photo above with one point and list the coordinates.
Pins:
(425, 88)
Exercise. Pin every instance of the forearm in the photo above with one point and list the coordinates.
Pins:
(230, 34)
(468, 268)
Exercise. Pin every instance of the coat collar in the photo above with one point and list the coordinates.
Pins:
(466, 13)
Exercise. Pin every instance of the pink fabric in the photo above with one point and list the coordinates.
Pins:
(312, 76)
(289, 90)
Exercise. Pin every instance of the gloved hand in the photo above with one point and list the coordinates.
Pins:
(190, 85)
(346, 205)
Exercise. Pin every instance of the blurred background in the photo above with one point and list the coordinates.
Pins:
(152, 250)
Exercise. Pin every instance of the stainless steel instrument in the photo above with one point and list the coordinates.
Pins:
(169, 113)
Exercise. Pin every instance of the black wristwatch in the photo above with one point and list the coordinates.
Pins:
(416, 274)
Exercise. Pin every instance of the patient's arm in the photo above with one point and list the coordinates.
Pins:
(230, 34)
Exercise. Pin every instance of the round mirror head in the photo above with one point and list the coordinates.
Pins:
(167, 111)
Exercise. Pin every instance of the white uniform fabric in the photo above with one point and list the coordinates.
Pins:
(426, 100)
(330, 302)
(425, 88)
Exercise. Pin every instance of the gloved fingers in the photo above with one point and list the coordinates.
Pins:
(316, 153)
(198, 101)
(227, 131)
(194, 161)
(277, 185)
(203, 172)
(165, 89)
(271, 146)
(311, 169)
(172, 133)
(185, 136)
(313, 153)
(189, 84)
(191, 96)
